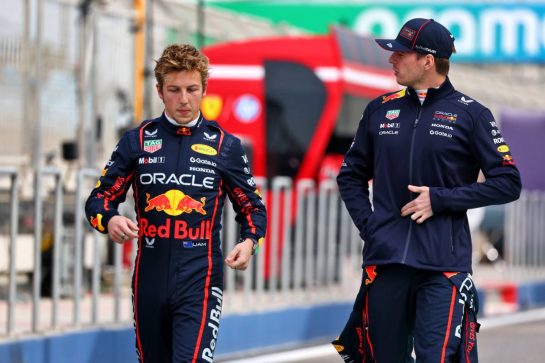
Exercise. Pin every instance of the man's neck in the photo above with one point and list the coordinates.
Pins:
(175, 123)
(433, 81)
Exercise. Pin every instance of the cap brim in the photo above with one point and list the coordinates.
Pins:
(392, 45)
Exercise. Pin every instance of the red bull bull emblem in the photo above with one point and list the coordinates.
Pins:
(371, 274)
(96, 222)
(394, 96)
(508, 160)
(175, 202)
(186, 131)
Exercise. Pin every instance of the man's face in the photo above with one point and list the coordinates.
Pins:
(409, 69)
(182, 93)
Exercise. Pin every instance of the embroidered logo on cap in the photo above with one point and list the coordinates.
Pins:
(407, 33)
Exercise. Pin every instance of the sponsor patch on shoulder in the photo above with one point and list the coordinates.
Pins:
(465, 101)
(392, 114)
(152, 146)
(394, 96)
(503, 148)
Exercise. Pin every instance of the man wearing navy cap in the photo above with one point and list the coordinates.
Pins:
(423, 147)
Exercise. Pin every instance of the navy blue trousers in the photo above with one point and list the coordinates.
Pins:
(406, 303)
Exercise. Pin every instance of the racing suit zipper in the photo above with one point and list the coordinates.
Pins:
(408, 240)
(180, 152)
(173, 246)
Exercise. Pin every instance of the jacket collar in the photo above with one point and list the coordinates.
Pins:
(433, 93)
(181, 130)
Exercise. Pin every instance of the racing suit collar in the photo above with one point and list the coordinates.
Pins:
(433, 93)
(181, 130)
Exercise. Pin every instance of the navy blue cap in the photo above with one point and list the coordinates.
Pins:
(423, 36)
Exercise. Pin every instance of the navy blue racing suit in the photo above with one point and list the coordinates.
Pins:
(180, 177)
(442, 144)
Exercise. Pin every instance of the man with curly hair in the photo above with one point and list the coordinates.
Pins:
(181, 166)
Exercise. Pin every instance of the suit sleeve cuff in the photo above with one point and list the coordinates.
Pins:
(106, 219)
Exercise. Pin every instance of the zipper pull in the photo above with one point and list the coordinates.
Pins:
(417, 116)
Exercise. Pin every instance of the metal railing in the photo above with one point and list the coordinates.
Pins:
(82, 175)
(312, 255)
(57, 233)
(525, 235)
(285, 265)
(13, 229)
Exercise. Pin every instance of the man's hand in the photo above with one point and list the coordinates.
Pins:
(239, 257)
(420, 208)
(122, 229)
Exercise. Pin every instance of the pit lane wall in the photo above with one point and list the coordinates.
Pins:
(239, 334)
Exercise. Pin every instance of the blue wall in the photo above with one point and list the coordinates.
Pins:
(238, 333)
(104, 345)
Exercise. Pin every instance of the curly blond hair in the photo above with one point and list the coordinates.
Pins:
(181, 57)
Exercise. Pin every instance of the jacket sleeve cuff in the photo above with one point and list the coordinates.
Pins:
(106, 219)
(439, 200)
(256, 243)
(251, 236)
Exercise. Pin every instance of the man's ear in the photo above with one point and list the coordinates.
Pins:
(430, 61)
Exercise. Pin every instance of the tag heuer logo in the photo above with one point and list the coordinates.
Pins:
(392, 114)
(152, 146)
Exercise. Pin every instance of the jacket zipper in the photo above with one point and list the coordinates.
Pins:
(408, 240)
(451, 235)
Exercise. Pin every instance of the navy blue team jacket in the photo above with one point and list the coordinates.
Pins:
(441, 144)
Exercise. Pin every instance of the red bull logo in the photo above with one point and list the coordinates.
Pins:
(178, 229)
(508, 160)
(175, 202)
(96, 222)
(371, 274)
(186, 131)
(394, 96)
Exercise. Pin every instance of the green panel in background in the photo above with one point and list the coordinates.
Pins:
(485, 31)
(311, 16)
(173, 36)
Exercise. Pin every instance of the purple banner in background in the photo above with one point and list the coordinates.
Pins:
(524, 132)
